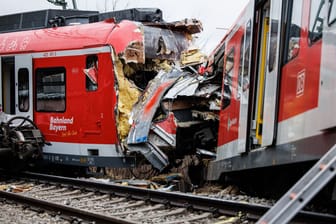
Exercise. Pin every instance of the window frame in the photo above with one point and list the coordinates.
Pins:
(50, 71)
(244, 60)
(26, 73)
(288, 33)
(312, 41)
(228, 75)
(332, 3)
(90, 86)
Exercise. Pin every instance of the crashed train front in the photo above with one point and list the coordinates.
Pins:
(166, 110)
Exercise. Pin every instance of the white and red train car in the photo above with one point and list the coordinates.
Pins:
(77, 119)
(65, 80)
(279, 86)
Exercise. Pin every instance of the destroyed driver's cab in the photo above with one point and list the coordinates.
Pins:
(79, 83)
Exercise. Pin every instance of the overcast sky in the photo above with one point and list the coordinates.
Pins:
(216, 15)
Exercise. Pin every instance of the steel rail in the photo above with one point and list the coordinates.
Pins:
(66, 210)
(206, 204)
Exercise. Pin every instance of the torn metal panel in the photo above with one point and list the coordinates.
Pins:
(191, 26)
(185, 86)
(130, 47)
(208, 90)
(164, 43)
(152, 153)
(165, 131)
(159, 141)
(159, 40)
(194, 85)
(143, 112)
(134, 52)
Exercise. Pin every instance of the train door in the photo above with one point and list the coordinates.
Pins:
(93, 106)
(267, 73)
(23, 86)
(272, 75)
(301, 79)
(243, 85)
(7, 85)
(16, 85)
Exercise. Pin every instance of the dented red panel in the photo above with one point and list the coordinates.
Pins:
(127, 39)
(169, 124)
(72, 37)
(146, 107)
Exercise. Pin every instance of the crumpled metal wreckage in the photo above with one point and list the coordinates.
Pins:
(165, 106)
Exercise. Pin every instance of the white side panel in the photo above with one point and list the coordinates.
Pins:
(327, 95)
(298, 127)
(227, 150)
(24, 62)
(243, 88)
(272, 75)
(77, 149)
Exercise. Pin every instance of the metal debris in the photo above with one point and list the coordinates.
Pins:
(164, 104)
(143, 112)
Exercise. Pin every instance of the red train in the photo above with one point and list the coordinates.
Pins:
(78, 83)
(265, 98)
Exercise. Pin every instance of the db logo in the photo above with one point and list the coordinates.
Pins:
(300, 83)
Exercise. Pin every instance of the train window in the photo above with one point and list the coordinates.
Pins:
(243, 81)
(23, 87)
(229, 62)
(316, 20)
(228, 75)
(91, 73)
(219, 60)
(273, 44)
(50, 89)
(294, 30)
(332, 12)
(241, 66)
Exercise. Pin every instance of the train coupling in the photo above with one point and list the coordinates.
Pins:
(20, 139)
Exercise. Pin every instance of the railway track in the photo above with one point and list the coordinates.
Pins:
(99, 202)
